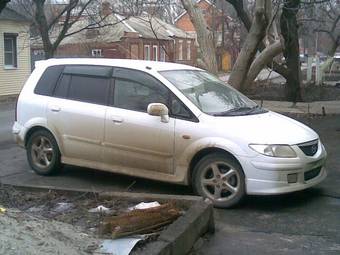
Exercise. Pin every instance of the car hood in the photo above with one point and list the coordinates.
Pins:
(265, 128)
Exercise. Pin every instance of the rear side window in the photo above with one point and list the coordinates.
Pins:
(48, 80)
(85, 83)
(89, 89)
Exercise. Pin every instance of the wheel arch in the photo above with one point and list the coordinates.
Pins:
(204, 152)
(34, 129)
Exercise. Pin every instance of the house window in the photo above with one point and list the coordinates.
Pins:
(147, 52)
(180, 50)
(162, 54)
(188, 50)
(10, 50)
(96, 53)
(155, 52)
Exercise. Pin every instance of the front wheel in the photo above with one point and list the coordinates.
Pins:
(43, 153)
(219, 178)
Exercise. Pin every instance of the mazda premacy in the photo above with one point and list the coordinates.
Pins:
(163, 121)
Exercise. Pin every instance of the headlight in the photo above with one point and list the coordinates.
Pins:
(279, 151)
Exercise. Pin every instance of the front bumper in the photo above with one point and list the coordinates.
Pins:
(269, 176)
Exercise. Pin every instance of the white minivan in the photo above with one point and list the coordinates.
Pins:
(166, 122)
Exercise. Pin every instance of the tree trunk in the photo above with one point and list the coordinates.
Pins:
(41, 21)
(49, 52)
(289, 31)
(262, 60)
(204, 36)
(245, 18)
(326, 67)
(250, 47)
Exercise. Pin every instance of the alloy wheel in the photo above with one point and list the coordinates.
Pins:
(42, 152)
(220, 182)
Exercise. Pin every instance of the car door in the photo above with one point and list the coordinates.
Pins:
(77, 111)
(133, 138)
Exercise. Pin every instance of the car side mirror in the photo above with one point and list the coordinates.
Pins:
(158, 109)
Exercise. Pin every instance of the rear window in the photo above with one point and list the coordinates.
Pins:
(48, 80)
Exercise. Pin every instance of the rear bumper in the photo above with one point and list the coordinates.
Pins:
(279, 176)
(18, 132)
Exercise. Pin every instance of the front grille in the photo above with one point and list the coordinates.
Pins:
(310, 148)
(312, 173)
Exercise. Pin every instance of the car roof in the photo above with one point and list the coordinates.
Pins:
(128, 63)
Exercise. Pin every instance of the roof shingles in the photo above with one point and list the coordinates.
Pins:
(10, 14)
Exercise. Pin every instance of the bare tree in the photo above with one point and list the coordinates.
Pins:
(54, 23)
(328, 23)
(205, 36)
(262, 36)
(289, 31)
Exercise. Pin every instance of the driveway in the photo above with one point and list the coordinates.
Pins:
(300, 223)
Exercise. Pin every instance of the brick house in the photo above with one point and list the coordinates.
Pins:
(141, 37)
(227, 53)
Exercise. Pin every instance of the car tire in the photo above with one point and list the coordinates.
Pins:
(43, 153)
(220, 178)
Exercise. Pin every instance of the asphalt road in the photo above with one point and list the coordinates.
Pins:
(306, 222)
(6, 121)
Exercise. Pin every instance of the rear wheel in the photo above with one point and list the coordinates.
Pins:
(219, 178)
(43, 153)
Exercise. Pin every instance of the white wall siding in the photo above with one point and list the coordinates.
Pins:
(12, 80)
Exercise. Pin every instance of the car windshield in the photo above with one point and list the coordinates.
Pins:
(210, 94)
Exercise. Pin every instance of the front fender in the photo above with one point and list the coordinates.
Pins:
(212, 142)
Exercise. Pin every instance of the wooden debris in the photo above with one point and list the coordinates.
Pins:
(140, 221)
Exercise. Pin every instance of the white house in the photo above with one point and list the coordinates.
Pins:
(15, 66)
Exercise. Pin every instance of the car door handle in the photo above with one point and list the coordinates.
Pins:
(55, 108)
(117, 119)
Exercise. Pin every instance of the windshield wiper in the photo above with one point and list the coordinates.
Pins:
(244, 110)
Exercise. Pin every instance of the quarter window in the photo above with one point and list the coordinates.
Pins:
(177, 109)
(10, 50)
(48, 80)
(62, 87)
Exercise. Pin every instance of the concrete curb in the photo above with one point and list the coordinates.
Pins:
(180, 236)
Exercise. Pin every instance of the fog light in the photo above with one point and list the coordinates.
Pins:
(292, 178)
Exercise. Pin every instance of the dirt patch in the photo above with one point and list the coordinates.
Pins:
(68, 207)
(56, 222)
(23, 233)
